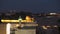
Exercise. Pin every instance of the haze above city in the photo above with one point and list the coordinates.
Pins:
(36, 6)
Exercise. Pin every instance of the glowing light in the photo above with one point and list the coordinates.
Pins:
(20, 18)
(52, 13)
(8, 28)
(28, 18)
(15, 21)
(55, 26)
(48, 26)
(9, 21)
(44, 27)
(17, 25)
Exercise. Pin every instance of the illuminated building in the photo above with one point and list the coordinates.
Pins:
(28, 19)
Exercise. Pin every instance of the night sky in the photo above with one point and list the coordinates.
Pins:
(32, 5)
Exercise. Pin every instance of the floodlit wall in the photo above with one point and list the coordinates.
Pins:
(26, 31)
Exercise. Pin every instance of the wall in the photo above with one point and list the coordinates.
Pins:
(2, 28)
(26, 31)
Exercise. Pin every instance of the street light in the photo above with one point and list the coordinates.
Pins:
(20, 21)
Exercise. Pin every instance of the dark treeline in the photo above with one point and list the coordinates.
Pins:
(15, 15)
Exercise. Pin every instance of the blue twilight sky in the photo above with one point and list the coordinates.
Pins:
(32, 5)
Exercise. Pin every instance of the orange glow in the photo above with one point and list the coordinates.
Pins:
(28, 18)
